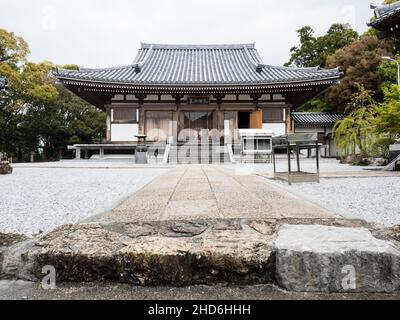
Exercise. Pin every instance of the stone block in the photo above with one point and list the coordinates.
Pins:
(314, 258)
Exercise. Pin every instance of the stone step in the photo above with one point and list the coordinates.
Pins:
(199, 157)
(162, 253)
(323, 258)
(313, 258)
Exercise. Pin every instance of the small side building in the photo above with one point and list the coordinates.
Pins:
(321, 123)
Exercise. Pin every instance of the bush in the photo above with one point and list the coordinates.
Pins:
(381, 147)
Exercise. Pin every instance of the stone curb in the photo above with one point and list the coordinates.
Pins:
(238, 251)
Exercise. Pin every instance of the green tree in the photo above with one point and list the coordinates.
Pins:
(388, 71)
(35, 113)
(85, 122)
(37, 94)
(356, 134)
(313, 51)
(388, 112)
(54, 121)
(13, 53)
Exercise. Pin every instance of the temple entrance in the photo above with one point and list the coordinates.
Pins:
(243, 120)
(197, 121)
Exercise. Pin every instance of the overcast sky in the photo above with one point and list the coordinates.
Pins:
(102, 33)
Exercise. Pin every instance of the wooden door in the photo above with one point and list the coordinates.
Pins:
(256, 120)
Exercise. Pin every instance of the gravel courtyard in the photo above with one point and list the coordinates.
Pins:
(344, 189)
(34, 200)
(39, 197)
(371, 199)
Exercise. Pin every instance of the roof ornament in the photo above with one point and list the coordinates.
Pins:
(139, 65)
(259, 66)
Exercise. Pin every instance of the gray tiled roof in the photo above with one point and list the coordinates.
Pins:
(188, 65)
(316, 118)
(383, 12)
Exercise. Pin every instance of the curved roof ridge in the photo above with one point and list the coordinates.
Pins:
(197, 46)
(85, 69)
(257, 64)
(302, 68)
(139, 65)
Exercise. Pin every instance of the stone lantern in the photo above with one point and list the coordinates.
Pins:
(141, 150)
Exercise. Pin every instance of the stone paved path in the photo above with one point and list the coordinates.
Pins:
(194, 192)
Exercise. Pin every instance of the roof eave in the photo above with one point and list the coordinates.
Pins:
(214, 85)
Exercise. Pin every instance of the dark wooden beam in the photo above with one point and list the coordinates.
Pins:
(98, 99)
(178, 98)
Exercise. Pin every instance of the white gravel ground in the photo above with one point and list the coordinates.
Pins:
(34, 200)
(39, 197)
(326, 166)
(371, 199)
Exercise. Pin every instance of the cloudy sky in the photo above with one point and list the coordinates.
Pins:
(102, 33)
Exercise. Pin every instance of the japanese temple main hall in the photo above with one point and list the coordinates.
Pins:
(175, 92)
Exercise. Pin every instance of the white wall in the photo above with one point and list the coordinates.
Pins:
(278, 128)
(124, 132)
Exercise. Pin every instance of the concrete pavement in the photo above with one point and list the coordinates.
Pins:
(21, 290)
(212, 192)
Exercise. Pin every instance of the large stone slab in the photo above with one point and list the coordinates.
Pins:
(314, 258)
(170, 253)
(232, 256)
(80, 253)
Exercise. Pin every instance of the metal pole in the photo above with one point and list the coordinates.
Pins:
(273, 158)
(298, 157)
(317, 154)
(289, 160)
(398, 74)
(289, 163)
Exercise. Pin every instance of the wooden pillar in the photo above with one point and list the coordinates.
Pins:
(175, 125)
(289, 123)
(220, 115)
(142, 116)
(179, 114)
(108, 123)
(220, 119)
